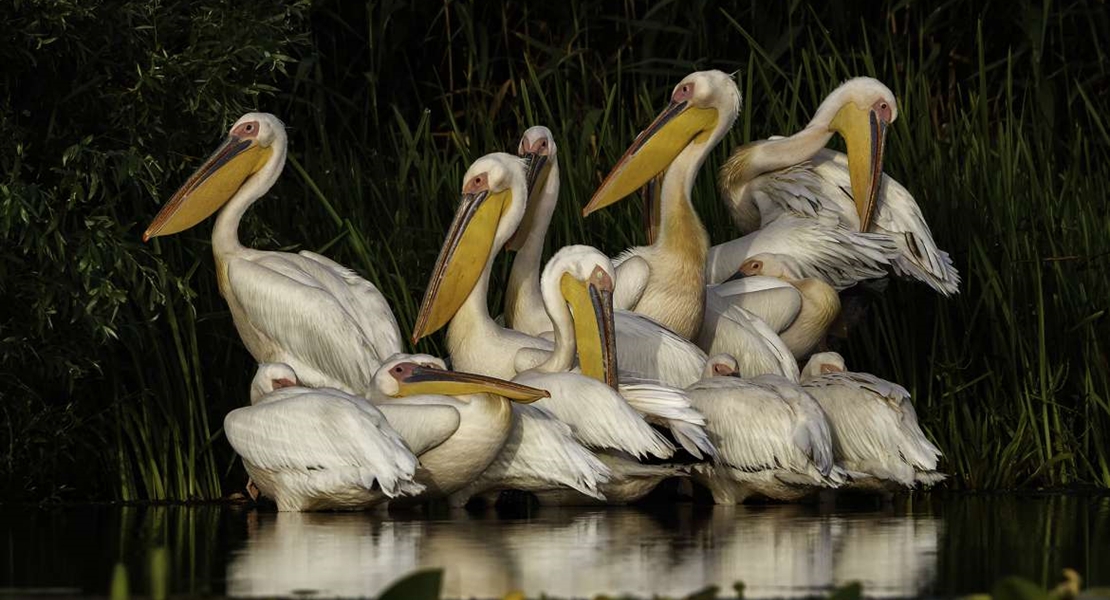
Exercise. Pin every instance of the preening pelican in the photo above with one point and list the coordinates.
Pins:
(457, 423)
(772, 437)
(666, 280)
(801, 311)
(795, 175)
(644, 347)
(318, 449)
(874, 425)
(320, 318)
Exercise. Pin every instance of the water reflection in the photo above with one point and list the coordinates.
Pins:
(942, 547)
(786, 551)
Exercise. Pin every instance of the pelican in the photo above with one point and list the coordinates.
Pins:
(491, 209)
(801, 310)
(766, 179)
(666, 280)
(772, 437)
(457, 423)
(320, 318)
(874, 426)
(318, 449)
(643, 346)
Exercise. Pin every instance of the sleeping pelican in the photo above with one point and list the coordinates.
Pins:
(666, 280)
(796, 175)
(874, 427)
(772, 437)
(318, 449)
(799, 309)
(643, 346)
(457, 423)
(492, 206)
(320, 318)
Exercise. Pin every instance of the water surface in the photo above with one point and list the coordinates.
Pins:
(934, 547)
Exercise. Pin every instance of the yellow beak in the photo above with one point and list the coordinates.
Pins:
(462, 259)
(211, 186)
(538, 170)
(653, 197)
(591, 305)
(865, 134)
(654, 150)
(430, 380)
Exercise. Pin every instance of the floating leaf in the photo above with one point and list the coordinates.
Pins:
(421, 585)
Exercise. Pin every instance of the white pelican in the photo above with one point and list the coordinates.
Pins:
(457, 423)
(318, 449)
(666, 280)
(643, 346)
(772, 438)
(874, 426)
(801, 311)
(796, 175)
(492, 206)
(304, 310)
(728, 328)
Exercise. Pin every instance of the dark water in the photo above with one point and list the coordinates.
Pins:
(934, 547)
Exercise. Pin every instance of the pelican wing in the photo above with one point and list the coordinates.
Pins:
(331, 326)
(756, 347)
(811, 430)
(650, 350)
(750, 425)
(874, 420)
(423, 422)
(896, 214)
(337, 438)
(774, 301)
(670, 407)
(819, 249)
(542, 448)
(599, 416)
(632, 273)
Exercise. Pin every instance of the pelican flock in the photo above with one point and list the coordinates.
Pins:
(604, 376)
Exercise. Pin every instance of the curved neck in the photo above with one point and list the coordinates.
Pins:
(524, 279)
(472, 319)
(771, 155)
(679, 226)
(562, 357)
(225, 235)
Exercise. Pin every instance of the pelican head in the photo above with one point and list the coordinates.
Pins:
(249, 148)
(721, 365)
(540, 154)
(702, 108)
(585, 281)
(414, 374)
(770, 265)
(270, 377)
(822, 363)
(494, 197)
(861, 110)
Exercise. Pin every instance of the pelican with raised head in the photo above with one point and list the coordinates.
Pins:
(796, 175)
(666, 280)
(330, 325)
(874, 426)
(644, 347)
(578, 296)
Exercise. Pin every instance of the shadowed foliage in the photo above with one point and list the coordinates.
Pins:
(119, 359)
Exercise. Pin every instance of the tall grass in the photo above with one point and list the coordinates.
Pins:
(1001, 137)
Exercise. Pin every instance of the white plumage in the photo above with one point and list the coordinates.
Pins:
(319, 449)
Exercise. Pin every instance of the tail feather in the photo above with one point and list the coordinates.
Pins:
(670, 407)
